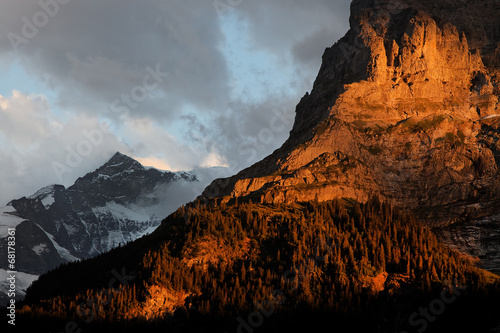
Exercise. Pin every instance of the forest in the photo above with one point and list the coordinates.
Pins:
(248, 267)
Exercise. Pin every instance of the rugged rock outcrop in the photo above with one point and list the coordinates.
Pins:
(405, 107)
(119, 202)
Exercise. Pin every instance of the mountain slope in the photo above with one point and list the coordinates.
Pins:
(314, 265)
(111, 206)
(393, 115)
(406, 107)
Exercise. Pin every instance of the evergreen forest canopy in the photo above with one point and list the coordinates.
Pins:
(250, 267)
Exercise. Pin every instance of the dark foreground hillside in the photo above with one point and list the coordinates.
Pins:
(336, 266)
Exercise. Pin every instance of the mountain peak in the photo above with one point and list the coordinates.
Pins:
(118, 164)
(406, 106)
(407, 74)
(120, 159)
(116, 203)
(46, 191)
(118, 155)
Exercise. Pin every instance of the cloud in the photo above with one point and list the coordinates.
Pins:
(148, 140)
(32, 114)
(213, 159)
(224, 92)
(279, 24)
(33, 138)
(38, 149)
(173, 195)
(92, 51)
(155, 162)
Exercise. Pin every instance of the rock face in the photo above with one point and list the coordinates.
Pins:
(115, 204)
(119, 202)
(405, 106)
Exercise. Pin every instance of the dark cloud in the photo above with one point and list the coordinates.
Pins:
(95, 54)
(94, 51)
(279, 24)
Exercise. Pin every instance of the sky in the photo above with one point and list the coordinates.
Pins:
(176, 84)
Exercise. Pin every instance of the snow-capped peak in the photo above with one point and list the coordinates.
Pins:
(43, 192)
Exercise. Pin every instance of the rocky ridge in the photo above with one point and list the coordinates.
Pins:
(117, 203)
(405, 107)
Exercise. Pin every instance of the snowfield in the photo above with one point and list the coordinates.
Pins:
(23, 281)
(7, 220)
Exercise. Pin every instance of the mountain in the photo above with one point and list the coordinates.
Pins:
(335, 230)
(288, 268)
(406, 107)
(119, 202)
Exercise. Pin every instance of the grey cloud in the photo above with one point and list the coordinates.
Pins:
(278, 24)
(252, 131)
(93, 51)
(306, 51)
(293, 28)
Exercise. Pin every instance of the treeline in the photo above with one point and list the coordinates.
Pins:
(229, 260)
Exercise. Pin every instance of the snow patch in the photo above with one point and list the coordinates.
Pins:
(103, 176)
(133, 222)
(125, 213)
(43, 192)
(114, 165)
(23, 281)
(63, 252)
(8, 220)
(40, 248)
(45, 195)
(48, 201)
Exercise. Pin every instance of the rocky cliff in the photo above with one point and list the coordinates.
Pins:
(117, 203)
(405, 106)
